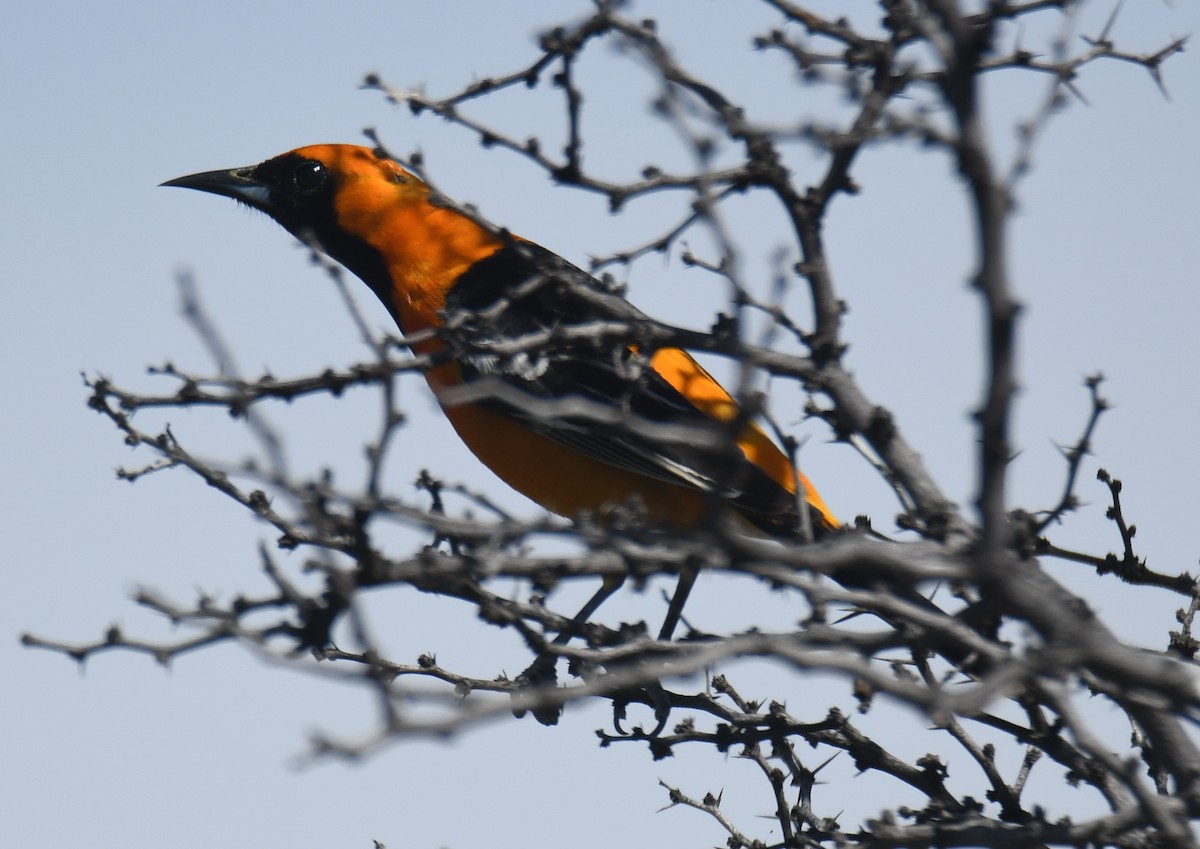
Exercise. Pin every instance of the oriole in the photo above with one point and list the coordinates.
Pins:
(430, 264)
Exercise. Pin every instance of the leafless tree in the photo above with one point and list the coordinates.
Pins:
(1001, 646)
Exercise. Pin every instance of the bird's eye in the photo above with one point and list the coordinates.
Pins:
(309, 176)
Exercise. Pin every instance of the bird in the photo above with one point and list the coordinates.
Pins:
(525, 364)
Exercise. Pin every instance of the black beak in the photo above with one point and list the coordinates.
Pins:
(238, 184)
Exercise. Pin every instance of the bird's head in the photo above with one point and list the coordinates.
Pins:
(327, 195)
(369, 214)
(310, 188)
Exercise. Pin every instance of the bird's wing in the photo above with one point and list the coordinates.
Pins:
(526, 291)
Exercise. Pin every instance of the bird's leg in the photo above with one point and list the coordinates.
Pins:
(687, 579)
(607, 589)
(542, 673)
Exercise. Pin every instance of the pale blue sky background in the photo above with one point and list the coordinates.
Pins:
(101, 102)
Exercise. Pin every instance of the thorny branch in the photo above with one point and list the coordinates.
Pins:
(1005, 650)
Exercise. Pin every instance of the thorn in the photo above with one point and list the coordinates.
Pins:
(1112, 19)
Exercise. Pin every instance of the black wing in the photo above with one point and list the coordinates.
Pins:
(524, 289)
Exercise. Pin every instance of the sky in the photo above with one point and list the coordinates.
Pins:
(102, 102)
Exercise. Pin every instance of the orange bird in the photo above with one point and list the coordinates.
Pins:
(463, 289)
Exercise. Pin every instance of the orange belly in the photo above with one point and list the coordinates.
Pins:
(566, 481)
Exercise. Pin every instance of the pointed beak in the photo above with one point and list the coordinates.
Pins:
(238, 184)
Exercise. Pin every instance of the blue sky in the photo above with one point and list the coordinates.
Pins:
(104, 101)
